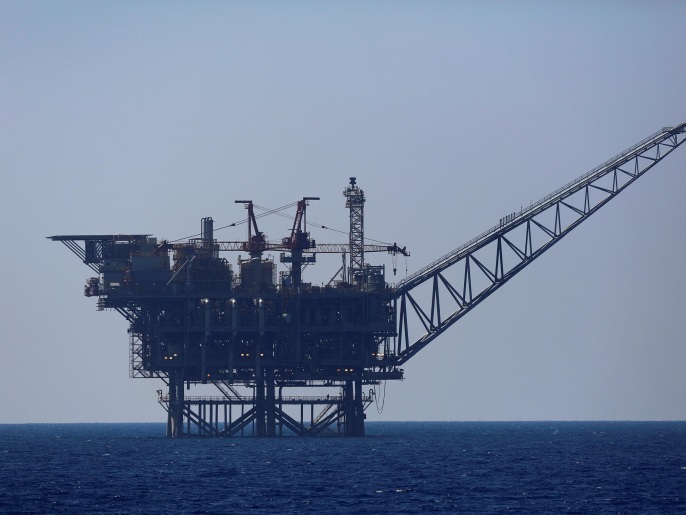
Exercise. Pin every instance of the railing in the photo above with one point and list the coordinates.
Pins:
(330, 399)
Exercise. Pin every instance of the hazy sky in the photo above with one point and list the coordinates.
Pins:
(143, 117)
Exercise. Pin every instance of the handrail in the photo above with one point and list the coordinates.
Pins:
(629, 151)
(333, 399)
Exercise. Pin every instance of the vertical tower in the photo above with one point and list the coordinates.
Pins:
(207, 237)
(354, 201)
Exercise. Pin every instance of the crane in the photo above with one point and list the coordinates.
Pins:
(297, 244)
(199, 322)
(499, 253)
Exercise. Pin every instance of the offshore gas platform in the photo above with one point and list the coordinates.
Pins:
(195, 321)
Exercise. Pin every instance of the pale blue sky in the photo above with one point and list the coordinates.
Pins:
(144, 117)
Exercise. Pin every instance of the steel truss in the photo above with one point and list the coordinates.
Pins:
(354, 201)
(257, 415)
(456, 283)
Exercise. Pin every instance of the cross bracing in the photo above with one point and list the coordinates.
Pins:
(437, 296)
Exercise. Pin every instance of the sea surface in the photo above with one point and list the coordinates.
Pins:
(400, 467)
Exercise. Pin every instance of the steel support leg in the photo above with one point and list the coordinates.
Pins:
(270, 402)
(260, 426)
(353, 408)
(359, 409)
(176, 402)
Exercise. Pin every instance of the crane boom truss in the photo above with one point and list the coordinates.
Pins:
(463, 278)
(321, 248)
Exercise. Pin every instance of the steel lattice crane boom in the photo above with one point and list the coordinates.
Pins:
(463, 278)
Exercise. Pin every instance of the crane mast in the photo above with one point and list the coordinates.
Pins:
(193, 320)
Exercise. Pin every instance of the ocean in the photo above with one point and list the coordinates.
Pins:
(400, 467)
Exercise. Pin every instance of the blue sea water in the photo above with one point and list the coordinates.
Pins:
(400, 467)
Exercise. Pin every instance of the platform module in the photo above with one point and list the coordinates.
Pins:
(195, 319)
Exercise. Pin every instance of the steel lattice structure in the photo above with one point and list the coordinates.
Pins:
(354, 201)
(193, 320)
(463, 278)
